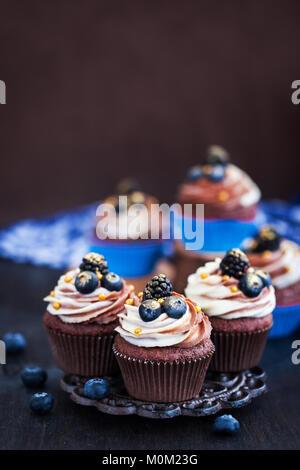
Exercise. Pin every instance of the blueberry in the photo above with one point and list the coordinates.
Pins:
(226, 424)
(86, 282)
(41, 403)
(251, 285)
(174, 306)
(149, 310)
(195, 173)
(33, 376)
(96, 388)
(265, 277)
(216, 173)
(14, 342)
(112, 282)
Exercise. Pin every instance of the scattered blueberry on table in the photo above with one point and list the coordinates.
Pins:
(96, 388)
(226, 424)
(14, 343)
(41, 403)
(33, 376)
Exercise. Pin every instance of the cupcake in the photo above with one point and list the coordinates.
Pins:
(129, 227)
(281, 259)
(81, 317)
(239, 302)
(163, 344)
(230, 199)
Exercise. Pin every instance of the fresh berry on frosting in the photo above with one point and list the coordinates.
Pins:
(174, 306)
(112, 282)
(149, 310)
(251, 284)
(159, 286)
(266, 240)
(195, 173)
(265, 277)
(217, 155)
(216, 172)
(86, 282)
(235, 263)
(94, 262)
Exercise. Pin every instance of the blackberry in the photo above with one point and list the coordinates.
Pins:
(159, 286)
(235, 263)
(94, 262)
(266, 240)
(216, 155)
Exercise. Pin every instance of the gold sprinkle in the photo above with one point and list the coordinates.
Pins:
(56, 305)
(266, 254)
(234, 289)
(137, 331)
(68, 278)
(129, 302)
(223, 196)
(161, 301)
(140, 295)
(198, 309)
(101, 297)
(131, 287)
(52, 293)
(287, 269)
(225, 278)
(99, 276)
(204, 275)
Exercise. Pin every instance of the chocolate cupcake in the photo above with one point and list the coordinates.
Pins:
(128, 227)
(280, 258)
(239, 303)
(163, 345)
(230, 199)
(81, 317)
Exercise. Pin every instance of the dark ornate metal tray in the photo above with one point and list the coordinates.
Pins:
(219, 391)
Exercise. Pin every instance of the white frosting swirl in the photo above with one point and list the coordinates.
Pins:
(218, 299)
(187, 331)
(75, 307)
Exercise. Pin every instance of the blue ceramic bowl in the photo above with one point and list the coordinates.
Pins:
(286, 321)
(132, 259)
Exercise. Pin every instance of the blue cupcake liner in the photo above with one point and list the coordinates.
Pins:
(218, 235)
(286, 320)
(132, 259)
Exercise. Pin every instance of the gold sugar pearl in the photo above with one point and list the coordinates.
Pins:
(131, 287)
(161, 301)
(68, 278)
(101, 297)
(206, 169)
(198, 309)
(129, 302)
(287, 269)
(204, 275)
(52, 293)
(56, 305)
(234, 289)
(137, 331)
(225, 277)
(223, 196)
(99, 276)
(140, 295)
(266, 254)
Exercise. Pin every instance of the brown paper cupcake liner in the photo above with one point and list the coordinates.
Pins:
(86, 355)
(237, 351)
(162, 381)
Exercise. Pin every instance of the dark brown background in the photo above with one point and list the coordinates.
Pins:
(100, 89)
